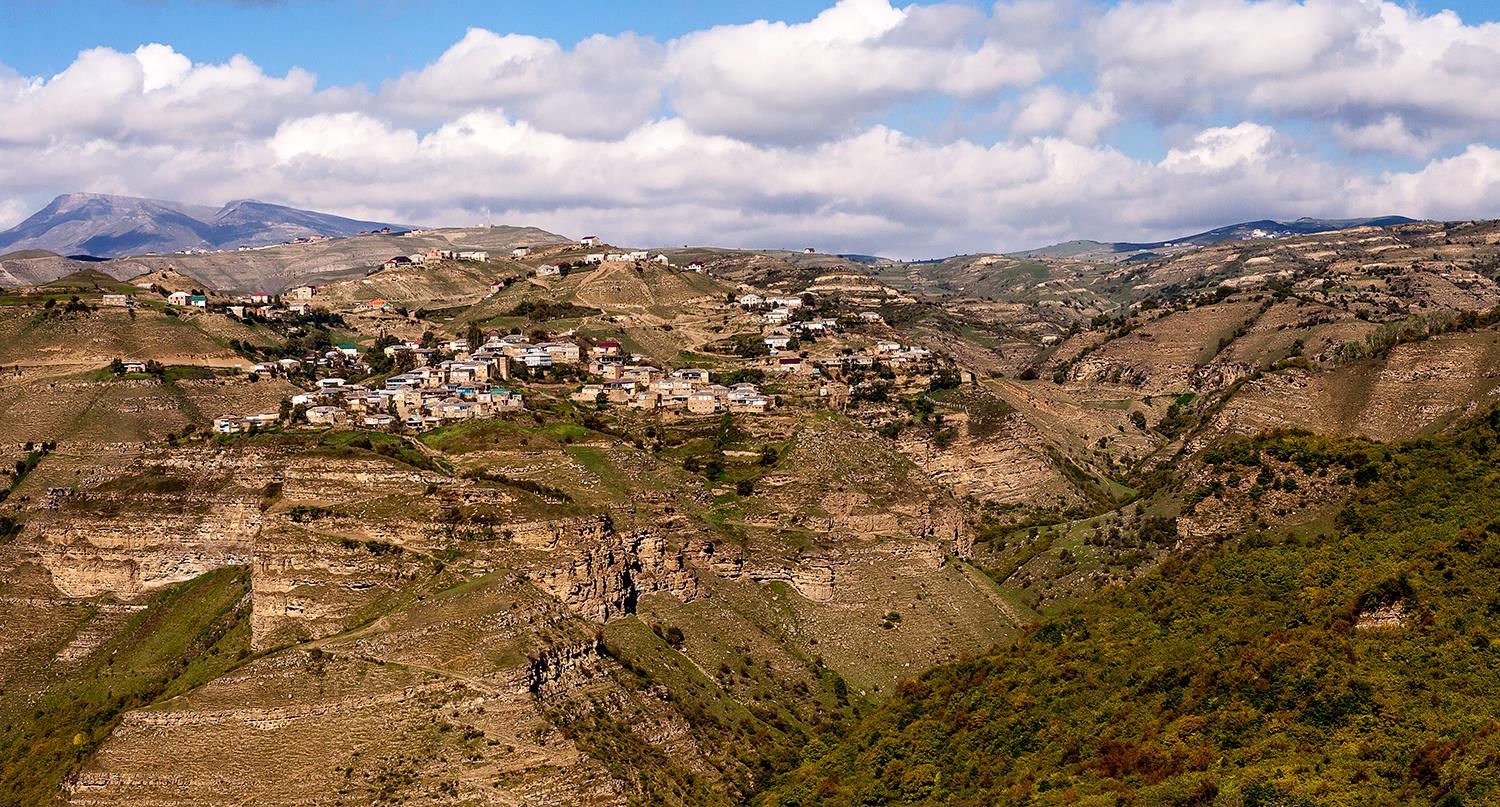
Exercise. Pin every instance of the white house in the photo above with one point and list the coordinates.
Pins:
(118, 299)
(178, 298)
(473, 256)
(536, 358)
(750, 300)
(520, 252)
(662, 259)
(565, 352)
(589, 240)
(324, 415)
(703, 402)
(548, 270)
(591, 393)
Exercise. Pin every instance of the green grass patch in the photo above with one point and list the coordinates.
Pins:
(188, 634)
(386, 445)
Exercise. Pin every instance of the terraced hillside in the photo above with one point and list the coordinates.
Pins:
(406, 585)
(955, 519)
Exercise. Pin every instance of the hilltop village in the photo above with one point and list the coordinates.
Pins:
(804, 349)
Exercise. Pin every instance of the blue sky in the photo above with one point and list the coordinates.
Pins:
(857, 125)
(343, 42)
(371, 40)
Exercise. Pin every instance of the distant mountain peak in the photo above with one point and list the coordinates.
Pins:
(109, 225)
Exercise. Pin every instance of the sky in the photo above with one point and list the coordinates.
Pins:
(867, 126)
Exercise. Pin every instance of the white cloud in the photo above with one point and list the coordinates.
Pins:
(155, 95)
(798, 83)
(604, 87)
(777, 134)
(1222, 148)
(13, 212)
(346, 136)
(1388, 136)
(1049, 110)
(1357, 63)
(1466, 185)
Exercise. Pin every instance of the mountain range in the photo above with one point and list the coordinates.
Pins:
(110, 226)
(1244, 231)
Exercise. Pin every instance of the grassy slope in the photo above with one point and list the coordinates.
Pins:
(1232, 676)
(188, 634)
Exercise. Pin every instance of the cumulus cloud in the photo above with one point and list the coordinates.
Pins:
(776, 134)
(604, 87)
(1389, 135)
(1388, 76)
(791, 83)
(155, 94)
(13, 211)
(1050, 110)
(1222, 148)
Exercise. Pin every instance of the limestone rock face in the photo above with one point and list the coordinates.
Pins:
(406, 650)
(164, 518)
(607, 578)
(560, 668)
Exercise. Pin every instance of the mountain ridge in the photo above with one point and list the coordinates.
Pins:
(109, 225)
(1245, 230)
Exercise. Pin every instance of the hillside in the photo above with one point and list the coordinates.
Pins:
(1214, 680)
(1109, 517)
(30, 266)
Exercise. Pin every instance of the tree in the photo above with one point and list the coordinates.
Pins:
(117, 367)
(474, 335)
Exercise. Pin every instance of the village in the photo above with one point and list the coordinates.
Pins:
(421, 385)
